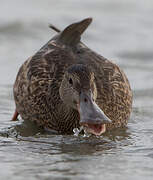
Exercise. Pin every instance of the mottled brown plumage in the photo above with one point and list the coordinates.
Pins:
(48, 85)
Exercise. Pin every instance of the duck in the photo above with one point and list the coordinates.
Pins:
(66, 85)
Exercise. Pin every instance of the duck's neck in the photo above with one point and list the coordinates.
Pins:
(63, 118)
(68, 118)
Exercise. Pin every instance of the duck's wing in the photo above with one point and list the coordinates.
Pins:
(114, 93)
(38, 81)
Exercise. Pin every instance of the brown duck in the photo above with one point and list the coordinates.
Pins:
(66, 84)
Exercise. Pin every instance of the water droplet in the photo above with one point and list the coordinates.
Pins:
(86, 134)
(77, 131)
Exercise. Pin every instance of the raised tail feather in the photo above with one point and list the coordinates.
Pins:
(71, 35)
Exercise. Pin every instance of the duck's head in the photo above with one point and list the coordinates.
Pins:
(78, 91)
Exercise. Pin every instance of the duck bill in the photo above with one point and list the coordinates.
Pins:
(92, 118)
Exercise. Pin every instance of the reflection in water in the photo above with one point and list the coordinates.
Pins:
(65, 155)
(26, 132)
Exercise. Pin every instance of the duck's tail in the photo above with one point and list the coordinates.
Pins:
(71, 35)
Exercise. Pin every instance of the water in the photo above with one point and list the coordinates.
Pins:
(80, 131)
(121, 31)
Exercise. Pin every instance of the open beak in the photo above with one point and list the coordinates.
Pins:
(92, 118)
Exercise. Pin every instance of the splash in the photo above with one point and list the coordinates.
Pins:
(77, 131)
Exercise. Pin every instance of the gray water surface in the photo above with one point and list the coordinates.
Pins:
(121, 31)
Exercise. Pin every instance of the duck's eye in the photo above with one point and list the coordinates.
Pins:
(70, 81)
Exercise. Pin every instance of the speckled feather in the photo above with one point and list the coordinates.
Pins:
(36, 89)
